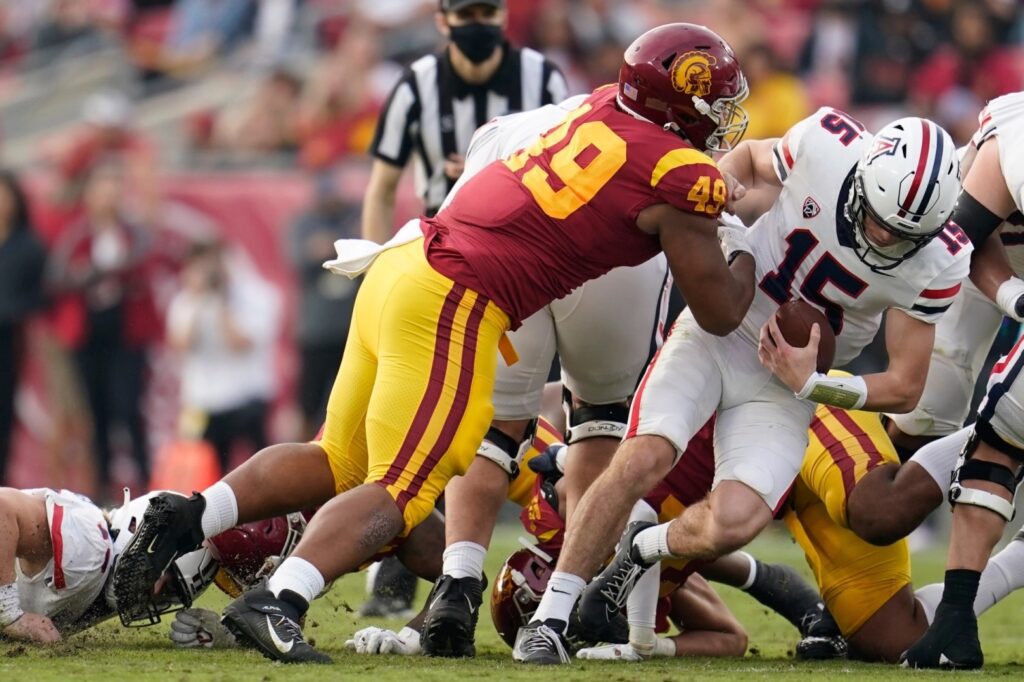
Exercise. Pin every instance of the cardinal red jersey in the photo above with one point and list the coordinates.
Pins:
(531, 228)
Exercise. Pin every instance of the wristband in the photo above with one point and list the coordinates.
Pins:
(849, 393)
(10, 605)
(1008, 295)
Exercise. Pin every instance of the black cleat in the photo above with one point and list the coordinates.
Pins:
(539, 644)
(171, 527)
(951, 642)
(270, 624)
(579, 636)
(822, 640)
(450, 624)
(603, 599)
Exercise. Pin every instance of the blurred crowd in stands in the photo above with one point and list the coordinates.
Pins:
(98, 296)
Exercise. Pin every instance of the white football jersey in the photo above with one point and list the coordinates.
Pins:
(803, 245)
(83, 555)
(1003, 119)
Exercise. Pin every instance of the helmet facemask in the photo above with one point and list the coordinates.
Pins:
(731, 117)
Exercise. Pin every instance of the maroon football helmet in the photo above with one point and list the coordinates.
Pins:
(517, 591)
(244, 550)
(686, 78)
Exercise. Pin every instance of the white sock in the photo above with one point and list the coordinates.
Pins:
(299, 576)
(560, 596)
(753, 570)
(221, 510)
(642, 603)
(653, 543)
(939, 457)
(464, 560)
(928, 598)
(1003, 574)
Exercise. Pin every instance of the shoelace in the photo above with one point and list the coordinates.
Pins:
(544, 639)
(290, 628)
(621, 583)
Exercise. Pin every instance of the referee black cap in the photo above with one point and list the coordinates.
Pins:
(456, 5)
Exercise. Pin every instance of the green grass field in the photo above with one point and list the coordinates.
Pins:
(112, 654)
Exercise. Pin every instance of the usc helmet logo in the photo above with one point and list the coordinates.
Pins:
(691, 73)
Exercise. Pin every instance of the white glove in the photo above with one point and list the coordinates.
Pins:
(732, 235)
(374, 640)
(1010, 298)
(200, 628)
(610, 652)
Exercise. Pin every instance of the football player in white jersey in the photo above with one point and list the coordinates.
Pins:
(603, 334)
(57, 550)
(852, 232)
(964, 336)
(989, 469)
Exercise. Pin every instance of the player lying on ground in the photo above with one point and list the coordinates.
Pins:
(710, 630)
(57, 550)
(852, 489)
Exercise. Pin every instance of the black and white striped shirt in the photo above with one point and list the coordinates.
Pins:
(432, 113)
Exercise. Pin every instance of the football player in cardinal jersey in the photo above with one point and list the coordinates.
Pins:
(854, 232)
(622, 178)
(625, 309)
(990, 465)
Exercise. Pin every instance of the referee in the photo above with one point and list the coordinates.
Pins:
(443, 98)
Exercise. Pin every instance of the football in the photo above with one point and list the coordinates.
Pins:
(795, 319)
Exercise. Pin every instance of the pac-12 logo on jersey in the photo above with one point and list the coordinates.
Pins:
(883, 146)
(810, 209)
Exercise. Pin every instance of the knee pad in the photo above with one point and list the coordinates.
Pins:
(596, 421)
(504, 451)
(968, 469)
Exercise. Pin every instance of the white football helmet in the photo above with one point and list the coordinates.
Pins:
(907, 181)
(190, 573)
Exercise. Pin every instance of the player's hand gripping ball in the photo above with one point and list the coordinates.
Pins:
(795, 319)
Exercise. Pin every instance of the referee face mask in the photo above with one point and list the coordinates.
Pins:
(476, 40)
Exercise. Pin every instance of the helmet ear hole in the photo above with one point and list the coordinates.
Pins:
(667, 61)
(903, 148)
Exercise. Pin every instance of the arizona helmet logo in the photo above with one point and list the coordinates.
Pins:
(691, 73)
(883, 146)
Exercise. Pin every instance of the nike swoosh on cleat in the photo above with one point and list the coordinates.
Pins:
(152, 543)
(279, 644)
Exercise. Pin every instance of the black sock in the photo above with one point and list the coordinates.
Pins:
(295, 600)
(961, 588)
(783, 590)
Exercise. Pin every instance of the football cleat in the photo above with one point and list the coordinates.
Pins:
(603, 599)
(452, 610)
(951, 642)
(539, 644)
(171, 527)
(599, 631)
(270, 624)
(822, 640)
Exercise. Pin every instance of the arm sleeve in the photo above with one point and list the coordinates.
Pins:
(690, 181)
(986, 128)
(392, 141)
(935, 300)
(790, 147)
